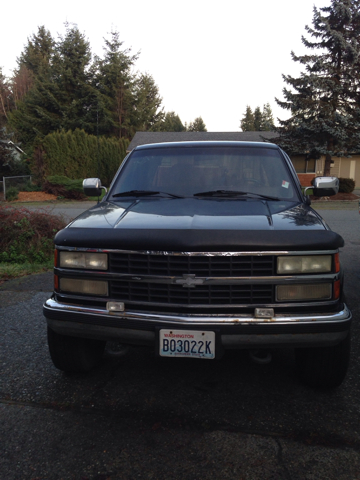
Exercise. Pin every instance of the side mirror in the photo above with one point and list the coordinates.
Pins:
(324, 186)
(92, 187)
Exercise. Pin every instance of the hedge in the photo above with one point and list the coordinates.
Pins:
(75, 154)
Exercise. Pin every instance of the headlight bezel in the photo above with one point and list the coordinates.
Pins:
(82, 260)
(304, 264)
(78, 286)
(304, 292)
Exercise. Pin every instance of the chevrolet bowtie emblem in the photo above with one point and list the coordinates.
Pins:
(189, 281)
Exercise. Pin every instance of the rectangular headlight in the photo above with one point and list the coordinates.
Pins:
(85, 260)
(304, 264)
(85, 287)
(296, 293)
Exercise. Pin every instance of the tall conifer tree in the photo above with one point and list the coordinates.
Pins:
(171, 123)
(59, 87)
(197, 125)
(6, 99)
(34, 62)
(148, 113)
(257, 119)
(324, 99)
(116, 84)
(247, 123)
(38, 52)
(61, 96)
(267, 119)
(72, 75)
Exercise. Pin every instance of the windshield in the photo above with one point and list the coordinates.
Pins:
(208, 171)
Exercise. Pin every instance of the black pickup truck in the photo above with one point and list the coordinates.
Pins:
(200, 247)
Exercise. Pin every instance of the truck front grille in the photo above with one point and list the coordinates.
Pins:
(200, 295)
(199, 265)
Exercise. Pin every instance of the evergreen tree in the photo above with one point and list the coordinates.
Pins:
(116, 84)
(148, 112)
(171, 123)
(38, 52)
(58, 87)
(34, 60)
(61, 95)
(257, 119)
(267, 119)
(39, 112)
(72, 75)
(247, 123)
(324, 100)
(197, 125)
(6, 100)
(5, 155)
(21, 82)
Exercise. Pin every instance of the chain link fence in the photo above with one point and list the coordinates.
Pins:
(17, 182)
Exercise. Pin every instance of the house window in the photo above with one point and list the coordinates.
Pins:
(304, 165)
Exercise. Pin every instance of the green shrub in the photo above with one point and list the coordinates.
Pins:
(27, 237)
(27, 186)
(66, 182)
(12, 193)
(30, 187)
(64, 187)
(346, 185)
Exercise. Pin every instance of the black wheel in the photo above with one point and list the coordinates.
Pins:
(324, 367)
(73, 354)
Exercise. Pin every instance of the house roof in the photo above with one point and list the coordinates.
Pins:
(143, 138)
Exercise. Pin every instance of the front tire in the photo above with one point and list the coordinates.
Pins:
(324, 367)
(74, 354)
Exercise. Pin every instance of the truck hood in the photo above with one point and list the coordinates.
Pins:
(198, 224)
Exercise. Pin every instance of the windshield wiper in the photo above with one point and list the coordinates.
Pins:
(143, 193)
(267, 197)
(218, 193)
(231, 193)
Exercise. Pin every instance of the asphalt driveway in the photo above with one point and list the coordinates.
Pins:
(139, 416)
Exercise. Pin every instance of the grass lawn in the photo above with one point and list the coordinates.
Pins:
(14, 270)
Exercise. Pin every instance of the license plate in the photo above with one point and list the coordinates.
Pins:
(187, 343)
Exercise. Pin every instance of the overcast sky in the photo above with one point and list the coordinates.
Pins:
(208, 58)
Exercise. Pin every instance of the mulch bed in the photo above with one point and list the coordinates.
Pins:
(338, 196)
(35, 197)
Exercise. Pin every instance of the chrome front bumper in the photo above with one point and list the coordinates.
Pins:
(243, 331)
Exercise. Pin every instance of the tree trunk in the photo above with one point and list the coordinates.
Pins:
(3, 106)
(328, 158)
(327, 165)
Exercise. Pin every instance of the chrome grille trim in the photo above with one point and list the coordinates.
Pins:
(195, 279)
(206, 295)
(206, 254)
(200, 265)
